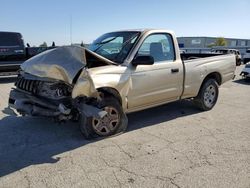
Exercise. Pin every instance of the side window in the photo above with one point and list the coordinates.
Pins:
(159, 46)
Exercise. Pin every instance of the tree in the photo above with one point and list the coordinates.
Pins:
(44, 44)
(220, 42)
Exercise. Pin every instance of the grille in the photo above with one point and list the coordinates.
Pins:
(27, 85)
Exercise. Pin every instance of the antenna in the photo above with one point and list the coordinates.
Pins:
(70, 29)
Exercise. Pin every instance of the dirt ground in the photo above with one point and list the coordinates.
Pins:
(174, 145)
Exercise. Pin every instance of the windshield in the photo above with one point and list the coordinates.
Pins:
(115, 46)
(10, 39)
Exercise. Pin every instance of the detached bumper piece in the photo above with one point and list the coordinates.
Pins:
(27, 104)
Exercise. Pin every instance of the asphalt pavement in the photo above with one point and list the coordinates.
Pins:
(174, 145)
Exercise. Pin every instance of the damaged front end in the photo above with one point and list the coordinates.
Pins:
(49, 98)
(56, 84)
(41, 97)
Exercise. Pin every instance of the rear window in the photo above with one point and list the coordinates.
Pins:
(10, 39)
(248, 51)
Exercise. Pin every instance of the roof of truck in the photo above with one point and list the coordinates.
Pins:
(143, 30)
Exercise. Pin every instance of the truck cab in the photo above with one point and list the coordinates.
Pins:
(12, 52)
(11, 46)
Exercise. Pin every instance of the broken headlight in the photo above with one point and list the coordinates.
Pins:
(54, 90)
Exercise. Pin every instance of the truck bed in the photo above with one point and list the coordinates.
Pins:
(197, 68)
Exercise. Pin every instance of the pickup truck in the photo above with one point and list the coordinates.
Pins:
(13, 52)
(120, 73)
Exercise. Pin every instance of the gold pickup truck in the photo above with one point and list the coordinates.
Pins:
(121, 72)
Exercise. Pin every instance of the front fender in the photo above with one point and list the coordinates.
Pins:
(84, 86)
(119, 82)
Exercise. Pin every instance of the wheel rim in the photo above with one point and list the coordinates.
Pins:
(108, 123)
(209, 96)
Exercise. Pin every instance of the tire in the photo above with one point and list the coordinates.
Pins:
(208, 95)
(94, 128)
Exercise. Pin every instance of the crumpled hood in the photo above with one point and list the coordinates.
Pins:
(62, 63)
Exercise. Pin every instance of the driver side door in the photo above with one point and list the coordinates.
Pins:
(160, 82)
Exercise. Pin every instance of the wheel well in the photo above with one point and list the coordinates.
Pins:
(214, 75)
(107, 91)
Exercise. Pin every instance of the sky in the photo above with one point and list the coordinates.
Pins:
(49, 20)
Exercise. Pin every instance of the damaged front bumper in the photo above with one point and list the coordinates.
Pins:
(27, 104)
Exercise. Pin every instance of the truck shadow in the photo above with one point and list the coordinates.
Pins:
(26, 141)
(161, 114)
(243, 81)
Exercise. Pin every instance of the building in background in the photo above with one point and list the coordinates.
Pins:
(201, 44)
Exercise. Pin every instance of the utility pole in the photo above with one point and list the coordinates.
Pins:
(70, 29)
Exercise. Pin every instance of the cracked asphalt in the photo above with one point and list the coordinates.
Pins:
(174, 145)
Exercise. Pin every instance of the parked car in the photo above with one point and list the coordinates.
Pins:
(230, 51)
(245, 73)
(13, 52)
(247, 56)
(99, 86)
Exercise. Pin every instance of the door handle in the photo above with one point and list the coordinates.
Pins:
(174, 70)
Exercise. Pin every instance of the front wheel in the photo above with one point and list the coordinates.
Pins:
(115, 121)
(208, 95)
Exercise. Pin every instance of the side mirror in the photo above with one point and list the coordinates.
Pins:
(143, 60)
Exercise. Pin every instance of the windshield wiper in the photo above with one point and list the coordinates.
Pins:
(107, 41)
(102, 43)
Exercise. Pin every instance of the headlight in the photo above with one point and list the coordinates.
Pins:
(54, 90)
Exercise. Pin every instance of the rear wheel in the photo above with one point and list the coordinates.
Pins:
(208, 95)
(115, 121)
